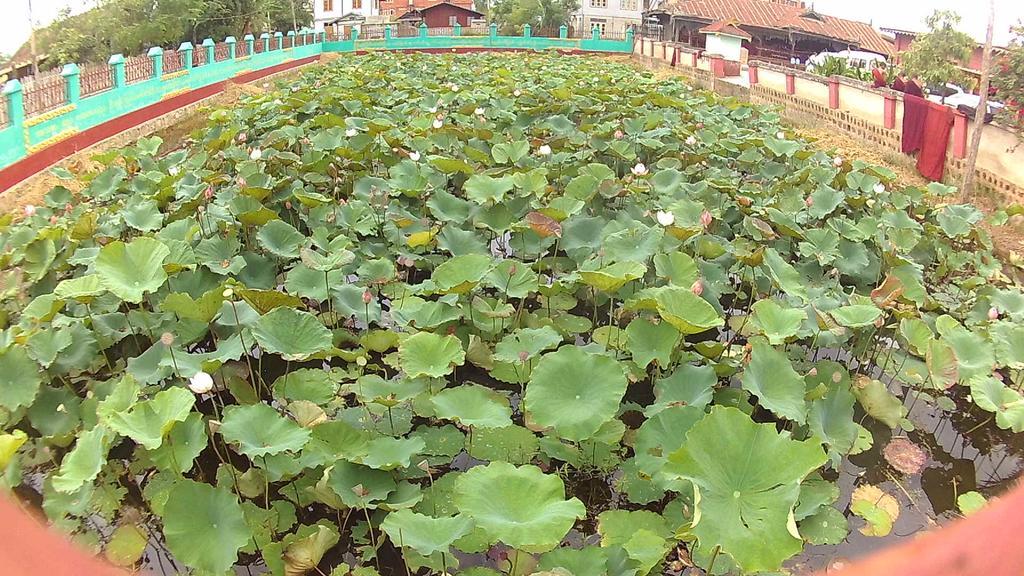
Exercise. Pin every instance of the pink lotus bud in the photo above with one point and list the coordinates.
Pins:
(208, 193)
(697, 287)
(367, 297)
(993, 313)
(288, 204)
(30, 210)
(512, 270)
(242, 137)
(523, 355)
(53, 220)
(809, 201)
(706, 218)
(241, 182)
(699, 126)
(619, 135)
(68, 207)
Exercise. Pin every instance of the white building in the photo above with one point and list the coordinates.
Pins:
(350, 13)
(611, 17)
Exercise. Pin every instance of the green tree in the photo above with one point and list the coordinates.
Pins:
(1008, 78)
(512, 15)
(936, 56)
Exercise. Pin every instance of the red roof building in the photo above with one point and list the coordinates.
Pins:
(392, 9)
(440, 15)
(779, 29)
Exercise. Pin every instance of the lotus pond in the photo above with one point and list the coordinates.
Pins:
(488, 314)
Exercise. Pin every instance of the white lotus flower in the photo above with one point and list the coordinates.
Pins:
(29, 210)
(639, 169)
(414, 156)
(277, 102)
(993, 313)
(351, 132)
(201, 383)
(479, 111)
(173, 170)
(879, 188)
(438, 123)
(517, 93)
(780, 135)
(837, 161)
(665, 218)
(454, 87)
(433, 109)
(691, 141)
(256, 154)
(544, 150)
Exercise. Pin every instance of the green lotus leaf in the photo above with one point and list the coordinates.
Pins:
(770, 376)
(827, 526)
(430, 355)
(281, 239)
(687, 312)
(204, 527)
(513, 444)
(486, 190)
(304, 550)
(81, 288)
(20, 378)
(785, 275)
(518, 506)
(473, 405)
(878, 401)
(1007, 403)
(778, 324)
(831, 417)
(359, 486)
(524, 344)
(258, 430)
(425, 534)
(856, 315)
(83, 464)
(613, 276)
(293, 334)
(387, 453)
(588, 560)
(148, 422)
(660, 435)
(651, 342)
(970, 502)
(748, 478)
(131, 270)
(127, 545)
(688, 385)
(185, 442)
(461, 273)
(574, 392)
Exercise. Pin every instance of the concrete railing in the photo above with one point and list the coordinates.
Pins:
(850, 105)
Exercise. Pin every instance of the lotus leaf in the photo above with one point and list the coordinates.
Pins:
(425, 534)
(518, 506)
(473, 405)
(430, 355)
(204, 526)
(131, 270)
(293, 334)
(258, 430)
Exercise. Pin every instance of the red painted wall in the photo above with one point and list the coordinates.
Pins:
(439, 16)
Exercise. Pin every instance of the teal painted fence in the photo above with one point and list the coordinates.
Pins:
(23, 136)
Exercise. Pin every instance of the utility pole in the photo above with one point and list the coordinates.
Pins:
(295, 23)
(966, 189)
(32, 41)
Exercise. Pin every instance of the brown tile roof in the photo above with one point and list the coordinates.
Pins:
(782, 16)
(725, 27)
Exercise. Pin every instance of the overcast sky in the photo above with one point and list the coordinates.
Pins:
(905, 14)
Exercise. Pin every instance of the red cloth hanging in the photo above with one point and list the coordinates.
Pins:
(931, 162)
(915, 110)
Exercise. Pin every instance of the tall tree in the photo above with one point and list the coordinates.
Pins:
(979, 116)
(936, 56)
(1008, 77)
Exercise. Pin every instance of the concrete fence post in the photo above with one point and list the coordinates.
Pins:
(211, 50)
(72, 83)
(423, 30)
(493, 30)
(629, 39)
(717, 66)
(15, 102)
(752, 73)
(186, 49)
(355, 34)
(291, 35)
(693, 59)
(279, 40)
(833, 93)
(790, 83)
(960, 135)
(232, 52)
(265, 38)
(595, 33)
(527, 31)
(250, 44)
(117, 69)
(457, 29)
(387, 33)
(156, 54)
(889, 112)
(563, 31)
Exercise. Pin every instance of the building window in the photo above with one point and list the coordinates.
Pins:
(630, 5)
(453, 20)
(328, 5)
(598, 3)
(357, 4)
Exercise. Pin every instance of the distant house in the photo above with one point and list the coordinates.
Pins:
(392, 9)
(344, 13)
(440, 15)
(611, 17)
(779, 30)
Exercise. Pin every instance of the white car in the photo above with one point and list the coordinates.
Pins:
(855, 58)
(955, 96)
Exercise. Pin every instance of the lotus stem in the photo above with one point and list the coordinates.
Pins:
(714, 556)
(248, 359)
(373, 537)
